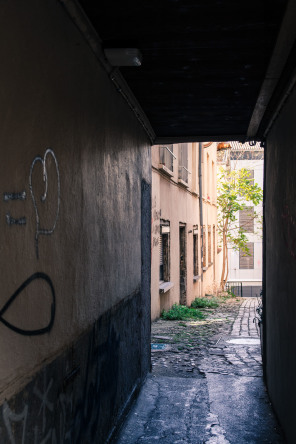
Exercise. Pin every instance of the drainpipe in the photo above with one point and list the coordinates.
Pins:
(200, 211)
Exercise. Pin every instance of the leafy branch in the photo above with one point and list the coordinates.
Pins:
(236, 189)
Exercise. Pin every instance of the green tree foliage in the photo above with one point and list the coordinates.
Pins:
(236, 190)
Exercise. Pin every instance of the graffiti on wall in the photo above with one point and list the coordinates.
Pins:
(51, 413)
(41, 229)
(15, 196)
(34, 332)
(12, 221)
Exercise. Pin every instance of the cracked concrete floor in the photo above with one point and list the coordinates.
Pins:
(206, 383)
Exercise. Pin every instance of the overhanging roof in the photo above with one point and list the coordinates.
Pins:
(210, 67)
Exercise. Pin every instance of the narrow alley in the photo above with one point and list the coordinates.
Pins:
(118, 121)
(206, 384)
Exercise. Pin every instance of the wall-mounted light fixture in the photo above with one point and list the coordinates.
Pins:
(123, 56)
(223, 146)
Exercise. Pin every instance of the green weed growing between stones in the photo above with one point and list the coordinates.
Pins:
(205, 303)
(181, 313)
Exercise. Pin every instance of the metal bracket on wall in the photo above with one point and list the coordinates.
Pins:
(87, 30)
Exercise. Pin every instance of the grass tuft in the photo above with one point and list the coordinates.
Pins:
(205, 303)
(181, 313)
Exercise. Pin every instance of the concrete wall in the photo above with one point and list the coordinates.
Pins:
(280, 216)
(72, 262)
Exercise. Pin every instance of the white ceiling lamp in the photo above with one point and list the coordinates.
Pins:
(123, 56)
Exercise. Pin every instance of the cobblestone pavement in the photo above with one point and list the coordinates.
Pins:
(239, 353)
(206, 384)
(194, 347)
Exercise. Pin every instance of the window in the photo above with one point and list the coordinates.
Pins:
(213, 182)
(194, 182)
(195, 250)
(250, 178)
(204, 259)
(183, 162)
(166, 157)
(209, 244)
(246, 260)
(164, 251)
(183, 264)
(208, 191)
(246, 219)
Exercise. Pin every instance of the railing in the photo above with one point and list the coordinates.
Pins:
(246, 291)
(166, 157)
(235, 288)
(183, 173)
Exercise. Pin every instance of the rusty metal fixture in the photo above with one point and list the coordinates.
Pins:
(223, 146)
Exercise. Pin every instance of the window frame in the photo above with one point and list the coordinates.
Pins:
(166, 157)
(164, 252)
(195, 251)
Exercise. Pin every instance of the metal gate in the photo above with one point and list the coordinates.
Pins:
(246, 291)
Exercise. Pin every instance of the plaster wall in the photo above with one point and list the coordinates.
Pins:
(178, 204)
(155, 229)
(280, 220)
(175, 204)
(211, 273)
(85, 238)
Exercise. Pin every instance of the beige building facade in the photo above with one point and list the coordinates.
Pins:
(185, 259)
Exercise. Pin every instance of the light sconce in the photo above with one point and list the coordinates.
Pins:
(123, 56)
(223, 146)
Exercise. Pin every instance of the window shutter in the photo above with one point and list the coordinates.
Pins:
(246, 261)
(246, 219)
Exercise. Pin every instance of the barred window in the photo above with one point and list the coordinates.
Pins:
(164, 251)
(195, 250)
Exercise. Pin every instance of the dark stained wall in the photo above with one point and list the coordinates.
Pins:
(75, 175)
(280, 216)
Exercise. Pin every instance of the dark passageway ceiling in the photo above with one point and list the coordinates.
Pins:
(204, 61)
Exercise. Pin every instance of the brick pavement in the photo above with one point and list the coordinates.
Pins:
(243, 324)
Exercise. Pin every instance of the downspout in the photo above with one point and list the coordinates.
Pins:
(200, 212)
